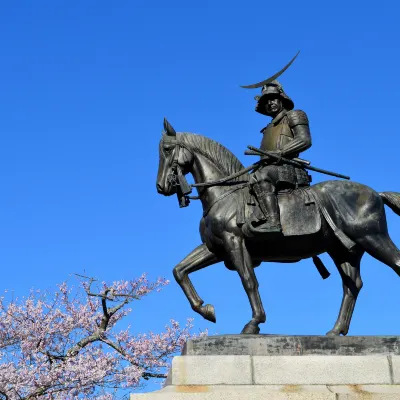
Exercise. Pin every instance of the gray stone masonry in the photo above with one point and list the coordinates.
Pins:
(261, 367)
(277, 345)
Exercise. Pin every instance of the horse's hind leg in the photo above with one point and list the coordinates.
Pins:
(348, 265)
(199, 258)
(381, 247)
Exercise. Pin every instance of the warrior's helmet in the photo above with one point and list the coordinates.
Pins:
(273, 89)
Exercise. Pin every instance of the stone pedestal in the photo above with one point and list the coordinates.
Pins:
(261, 367)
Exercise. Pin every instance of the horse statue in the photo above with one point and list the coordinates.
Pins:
(342, 218)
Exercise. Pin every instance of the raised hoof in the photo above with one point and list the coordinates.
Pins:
(208, 313)
(251, 329)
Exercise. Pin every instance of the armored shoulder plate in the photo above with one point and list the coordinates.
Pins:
(297, 117)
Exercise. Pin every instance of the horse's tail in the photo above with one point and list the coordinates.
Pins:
(392, 200)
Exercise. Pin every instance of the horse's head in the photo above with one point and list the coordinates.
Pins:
(175, 159)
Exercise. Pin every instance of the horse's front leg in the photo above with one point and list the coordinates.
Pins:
(199, 258)
(238, 258)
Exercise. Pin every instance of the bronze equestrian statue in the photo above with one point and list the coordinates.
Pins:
(273, 214)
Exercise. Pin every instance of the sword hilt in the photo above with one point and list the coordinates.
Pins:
(297, 163)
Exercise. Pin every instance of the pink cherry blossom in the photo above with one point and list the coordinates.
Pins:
(66, 345)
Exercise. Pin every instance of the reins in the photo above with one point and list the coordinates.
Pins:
(228, 178)
(226, 194)
(222, 181)
(177, 178)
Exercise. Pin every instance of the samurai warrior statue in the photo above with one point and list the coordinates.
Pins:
(287, 135)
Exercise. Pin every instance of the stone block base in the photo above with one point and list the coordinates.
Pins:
(271, 392)
(297, 375)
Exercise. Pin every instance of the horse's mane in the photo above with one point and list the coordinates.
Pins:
(224, 159)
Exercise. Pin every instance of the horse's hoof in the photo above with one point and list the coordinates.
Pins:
(333, 332)
(208, 313)
(251, 329)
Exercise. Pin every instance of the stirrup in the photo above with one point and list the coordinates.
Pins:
(250, 231)
(267, 227)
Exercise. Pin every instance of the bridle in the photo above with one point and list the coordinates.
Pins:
(177, 179)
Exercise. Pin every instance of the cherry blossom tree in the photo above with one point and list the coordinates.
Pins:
(66, 345)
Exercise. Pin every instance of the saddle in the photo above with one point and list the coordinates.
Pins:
(298, 212)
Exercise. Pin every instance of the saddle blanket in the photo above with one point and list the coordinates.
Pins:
(298, 211)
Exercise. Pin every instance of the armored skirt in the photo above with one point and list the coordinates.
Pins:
(283, 176)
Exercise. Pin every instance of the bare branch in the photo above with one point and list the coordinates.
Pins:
(148, 375)
(112, 311)
(4, 394)
(86, 277)
(116, 295)
(82, 344)
(104, 305)
(115, 346)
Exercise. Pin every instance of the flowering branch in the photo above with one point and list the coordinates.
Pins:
(67, 346)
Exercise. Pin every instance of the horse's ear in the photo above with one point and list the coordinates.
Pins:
(168, 128)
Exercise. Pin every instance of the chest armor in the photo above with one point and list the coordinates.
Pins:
(276, 136)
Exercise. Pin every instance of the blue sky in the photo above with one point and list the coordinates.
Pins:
(84, 89)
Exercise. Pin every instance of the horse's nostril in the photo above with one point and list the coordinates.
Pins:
(159, 189)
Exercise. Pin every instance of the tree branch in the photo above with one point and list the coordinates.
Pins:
(5, 395)
(148, 375)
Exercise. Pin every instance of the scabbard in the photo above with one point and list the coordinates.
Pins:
(296, 163)
(323, 171)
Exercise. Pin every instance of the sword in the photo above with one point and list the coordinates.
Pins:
(256, 152)
(295, 162)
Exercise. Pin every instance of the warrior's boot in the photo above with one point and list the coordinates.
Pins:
(268, 204)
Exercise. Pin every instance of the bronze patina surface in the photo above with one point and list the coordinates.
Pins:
(269, 211)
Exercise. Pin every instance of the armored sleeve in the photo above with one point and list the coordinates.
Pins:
(298, 123)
